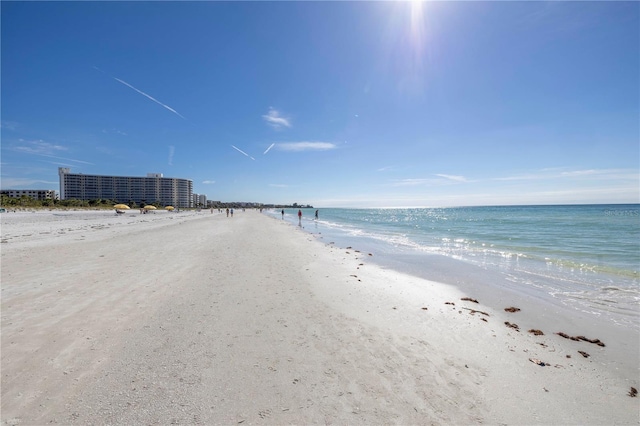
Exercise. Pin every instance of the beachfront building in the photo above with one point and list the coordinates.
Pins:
(199, 200)
(36, 194)
(152, 189)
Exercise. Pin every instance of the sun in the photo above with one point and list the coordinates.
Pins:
(407, 35)
(417, 27)
(416, 6)
(417, 17)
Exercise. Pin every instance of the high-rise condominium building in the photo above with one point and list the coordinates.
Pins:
(154, 188)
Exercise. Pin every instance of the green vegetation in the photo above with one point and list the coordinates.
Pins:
(28, 202)
(31, 203)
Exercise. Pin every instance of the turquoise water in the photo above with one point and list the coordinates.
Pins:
(586, 257)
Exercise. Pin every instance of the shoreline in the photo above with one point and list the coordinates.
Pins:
(209, 319)
(538, 310)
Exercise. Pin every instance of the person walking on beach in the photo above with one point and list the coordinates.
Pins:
(231, 212)
(299, 217)
(227, 211)
(316, 214)
(283, 214)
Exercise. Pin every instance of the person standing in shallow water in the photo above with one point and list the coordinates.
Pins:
(282, 213)
(316, 214)
(299, 217)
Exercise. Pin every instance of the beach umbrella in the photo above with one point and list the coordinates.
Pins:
(149, 207)
(169, 208)
(121, 207)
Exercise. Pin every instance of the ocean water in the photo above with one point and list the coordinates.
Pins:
(584, 257)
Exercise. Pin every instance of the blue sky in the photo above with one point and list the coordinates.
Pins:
(335, 104)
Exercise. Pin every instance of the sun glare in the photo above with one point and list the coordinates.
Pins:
(417, 22)
(416, 6)
(417, 42)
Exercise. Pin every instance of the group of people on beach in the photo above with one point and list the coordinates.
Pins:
(299, 216)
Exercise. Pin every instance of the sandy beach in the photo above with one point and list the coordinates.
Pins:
(197, 318)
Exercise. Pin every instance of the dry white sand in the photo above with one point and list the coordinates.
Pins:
(196, 318)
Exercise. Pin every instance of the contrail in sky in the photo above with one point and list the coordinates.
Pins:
(150, 97)
(142, 93)
(242, 152)
(270, 146)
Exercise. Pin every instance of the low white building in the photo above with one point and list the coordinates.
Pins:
(36, 194)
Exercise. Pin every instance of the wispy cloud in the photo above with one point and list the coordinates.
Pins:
(9, 125)
(527, 176)
(43, 149)
(411, 182)
(453, 178)
(116, 131)
(566, 174)
(439, 180)
(12, 183)
(394, 168)
(242, 152)
(278, 185)
(68, 159)
(590, 172)
(306, 146)
(172, 150)
(59, 163)
(268, 149)
(208, 182)
(38, 147)
(275, 119)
